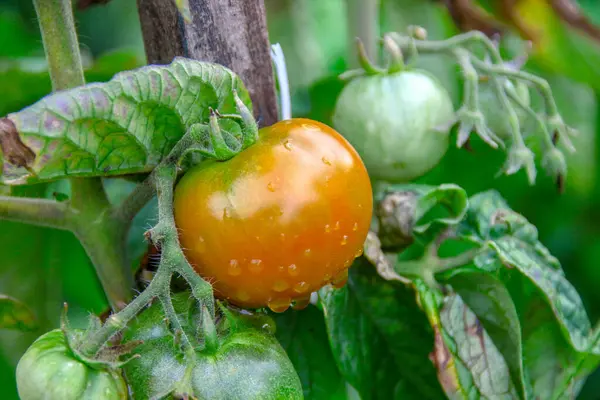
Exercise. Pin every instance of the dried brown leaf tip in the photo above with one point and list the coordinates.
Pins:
(14, 150)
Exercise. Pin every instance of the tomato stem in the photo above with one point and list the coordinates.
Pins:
(40, 212)
(493, 67)
(165, 236)
(60, 43)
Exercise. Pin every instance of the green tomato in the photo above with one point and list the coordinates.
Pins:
(49, 370)
(493, 111)
(393, 121)
(247, 363)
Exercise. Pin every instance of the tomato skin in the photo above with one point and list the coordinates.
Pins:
(249, 363)
(278, 221)
(393, 121)
(49, 370)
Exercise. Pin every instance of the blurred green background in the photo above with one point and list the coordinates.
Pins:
(44, 268)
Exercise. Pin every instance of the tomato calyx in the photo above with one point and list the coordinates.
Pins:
(368, 68)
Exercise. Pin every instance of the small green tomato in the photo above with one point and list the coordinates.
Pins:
(398, 122)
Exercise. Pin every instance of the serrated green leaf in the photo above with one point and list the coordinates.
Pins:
(123, 126)
(468, 362)
(379, 337)
(16, 315)
(555, 327)
(476, 350)
(514, 242)
(303, 336)
(489, 299)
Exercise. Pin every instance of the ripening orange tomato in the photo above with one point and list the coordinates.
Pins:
(278, 221)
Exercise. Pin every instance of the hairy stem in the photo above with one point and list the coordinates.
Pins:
(545, 137)
(165, 236)
(448, 45)
(41, 212)
(117, 322)
(60, 42)
(540, 84)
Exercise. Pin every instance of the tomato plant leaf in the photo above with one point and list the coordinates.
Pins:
(16, 315)
(468, 362)
(379, 337)
(303, 336)
(123, 126)
(514, 243)
(410, 210)
(490, 301)
(476, 350)
(552, 364)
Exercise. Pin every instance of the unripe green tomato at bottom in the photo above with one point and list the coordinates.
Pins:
(248, 364)
(49, 370)
(393, 122)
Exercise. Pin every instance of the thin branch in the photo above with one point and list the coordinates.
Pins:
(60, 43)
(41, 212)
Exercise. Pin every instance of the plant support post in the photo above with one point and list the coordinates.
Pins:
(231, 33)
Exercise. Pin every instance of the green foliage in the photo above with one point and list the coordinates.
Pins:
(126, 125)
(303, 336)
(510, 322)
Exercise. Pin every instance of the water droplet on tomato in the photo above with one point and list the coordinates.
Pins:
(347, 263)
(280, 286)
(293, 270)
(242, 296)
(271, 187)
(358, 253)
(326, 161)
(344, 240)
(282, 236)
(355, 227)
(288, 145)
(326, 278)
(279, 305)
(337, 226)
(340, 279)
(327, 228)
(281, 268)
(255, 266)
(301, 287)
(234, 268)
(301, 303)
(307, 253)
